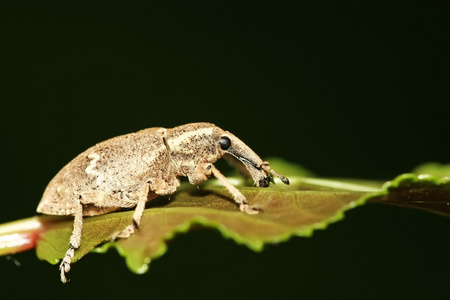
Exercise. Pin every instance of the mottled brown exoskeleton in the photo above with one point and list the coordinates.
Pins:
(129, 170)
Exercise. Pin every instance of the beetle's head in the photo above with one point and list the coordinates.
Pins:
(258, 169)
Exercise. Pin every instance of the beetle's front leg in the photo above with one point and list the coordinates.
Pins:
(238, 197)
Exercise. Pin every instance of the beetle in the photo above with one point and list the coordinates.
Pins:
(129, 170)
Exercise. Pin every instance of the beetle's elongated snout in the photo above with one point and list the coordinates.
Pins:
(258, 169)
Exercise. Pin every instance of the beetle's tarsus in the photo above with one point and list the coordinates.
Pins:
(127, 232)
(250, 210)
(284, 180)
(64, 267)
(267, 167)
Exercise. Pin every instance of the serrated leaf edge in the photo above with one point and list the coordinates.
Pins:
(255, 245)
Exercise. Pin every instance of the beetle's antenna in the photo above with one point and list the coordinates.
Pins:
(266, 167)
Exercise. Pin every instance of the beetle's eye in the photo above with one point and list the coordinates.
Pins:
(225, 143)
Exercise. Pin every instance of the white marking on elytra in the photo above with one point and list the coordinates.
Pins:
(90, 168)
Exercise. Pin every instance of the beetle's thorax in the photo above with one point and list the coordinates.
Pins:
(192, 144)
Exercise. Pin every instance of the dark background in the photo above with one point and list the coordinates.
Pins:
(346, 89)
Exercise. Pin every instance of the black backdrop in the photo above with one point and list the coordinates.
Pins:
(346, 89)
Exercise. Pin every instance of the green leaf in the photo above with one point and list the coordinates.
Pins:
(296, 210)
(421, 191)
(434, 169)
(305, 205)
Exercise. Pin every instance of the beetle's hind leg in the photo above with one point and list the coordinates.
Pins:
(75, 241)
(237, 195)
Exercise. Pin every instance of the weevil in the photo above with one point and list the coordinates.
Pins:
(129, 170)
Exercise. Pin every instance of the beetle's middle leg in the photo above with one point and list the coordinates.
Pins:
(143, 195)
(237, 195)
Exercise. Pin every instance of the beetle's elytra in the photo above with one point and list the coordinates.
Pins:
(129, 170)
